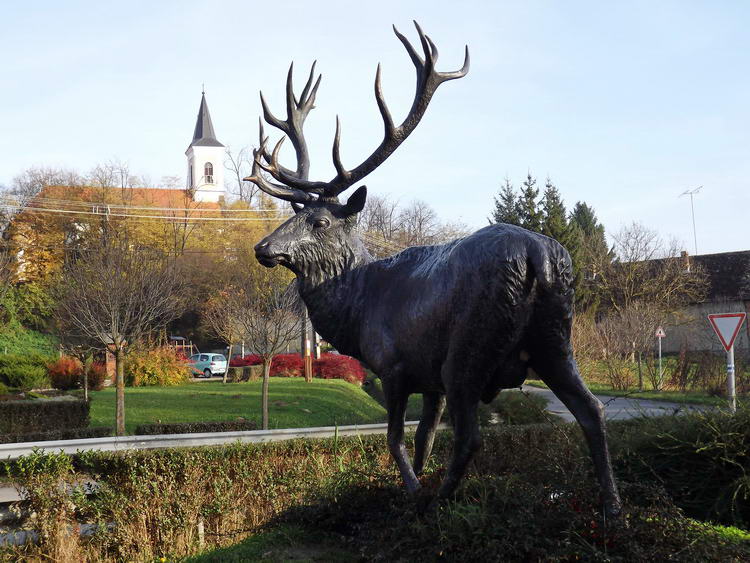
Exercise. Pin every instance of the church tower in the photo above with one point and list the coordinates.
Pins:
(205, 159)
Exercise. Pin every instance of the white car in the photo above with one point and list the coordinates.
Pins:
(208, 364)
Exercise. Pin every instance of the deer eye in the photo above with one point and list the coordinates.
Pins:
(321, 223)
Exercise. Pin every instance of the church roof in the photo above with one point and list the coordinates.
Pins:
(204, 135)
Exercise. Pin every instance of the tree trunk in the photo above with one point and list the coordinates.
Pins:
(85, 383)
(229, 358)
(264, 392)
(640, 373)
(120, 391)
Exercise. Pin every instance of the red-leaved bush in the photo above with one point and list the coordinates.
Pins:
(336, 366)
(287, 365)
(65, 373)
(249, 360)
(329, 366)
(97, 375)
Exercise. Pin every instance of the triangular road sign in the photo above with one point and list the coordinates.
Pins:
(727, 327)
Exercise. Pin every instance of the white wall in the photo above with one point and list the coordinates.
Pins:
(198, 156)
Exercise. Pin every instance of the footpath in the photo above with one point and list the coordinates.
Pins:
(617, 408)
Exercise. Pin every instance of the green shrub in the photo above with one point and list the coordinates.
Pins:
(518, 407)
(40, 415)
(4, 389)
(701, 459)
(28, 371)
(194, 427)
(60, 434)
(25, 377)
(160, 366)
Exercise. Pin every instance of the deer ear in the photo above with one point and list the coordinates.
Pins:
(297, 206)
(356, 202)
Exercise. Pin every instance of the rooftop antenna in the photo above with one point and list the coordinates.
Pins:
(691, 193)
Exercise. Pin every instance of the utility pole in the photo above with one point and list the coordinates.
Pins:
(691, 193)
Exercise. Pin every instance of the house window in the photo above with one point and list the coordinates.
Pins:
(190, 177)
(208, 172)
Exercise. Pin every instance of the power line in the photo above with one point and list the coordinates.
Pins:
(173, 218)
(87, 204)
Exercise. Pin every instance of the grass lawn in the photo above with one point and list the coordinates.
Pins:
(292, 404)
(281, 543)
(689, 397)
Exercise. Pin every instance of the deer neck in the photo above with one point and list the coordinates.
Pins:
(330, 286)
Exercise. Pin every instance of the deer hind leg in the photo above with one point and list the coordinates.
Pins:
(396, 399)
(563, 378)
(433, 405)
(466, 438)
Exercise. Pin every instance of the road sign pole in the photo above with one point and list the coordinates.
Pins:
(731, 392)
(660, 372)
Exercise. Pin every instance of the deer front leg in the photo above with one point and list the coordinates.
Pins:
(433, 405)
(466, 438)
(395, 400)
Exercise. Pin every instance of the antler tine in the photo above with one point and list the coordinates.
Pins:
(275, 190)
(291, 100)
(336, 153)
(384, 112)
(428, 80)
(270, 118)
(304, 101)
(415, 58)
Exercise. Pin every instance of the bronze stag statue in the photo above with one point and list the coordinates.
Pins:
(458, 321)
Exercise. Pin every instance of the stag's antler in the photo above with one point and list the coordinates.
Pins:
(428, 80)
(296, 113)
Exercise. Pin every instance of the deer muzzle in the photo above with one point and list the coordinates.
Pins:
(268, 256)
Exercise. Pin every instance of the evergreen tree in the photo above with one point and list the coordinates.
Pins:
(555, 224)
(595, 254)
(506, 206)
(530, 217)
(554, 219)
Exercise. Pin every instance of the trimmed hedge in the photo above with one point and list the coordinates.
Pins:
(67, 434)
(195, 427)
(530, 496)
(42, 415)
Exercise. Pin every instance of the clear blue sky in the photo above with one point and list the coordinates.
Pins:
(623, 106)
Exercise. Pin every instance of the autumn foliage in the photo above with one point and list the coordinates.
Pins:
(65, 373)
(329, 366)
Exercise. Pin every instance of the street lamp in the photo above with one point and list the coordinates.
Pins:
(691, 193)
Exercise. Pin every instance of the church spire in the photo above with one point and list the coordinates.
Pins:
(204, 135)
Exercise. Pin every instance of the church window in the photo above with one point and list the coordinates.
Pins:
(208, 172)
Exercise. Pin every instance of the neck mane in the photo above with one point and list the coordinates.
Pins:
(329, 285)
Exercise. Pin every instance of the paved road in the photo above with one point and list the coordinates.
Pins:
(616, 408)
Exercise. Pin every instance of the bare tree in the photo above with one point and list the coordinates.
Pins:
(218, 316)
(239, 165)
(267, 313)
(115, 293)
(645, 286)
(388, 228)
(29, 184)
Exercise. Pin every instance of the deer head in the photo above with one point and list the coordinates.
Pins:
(320, 241)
